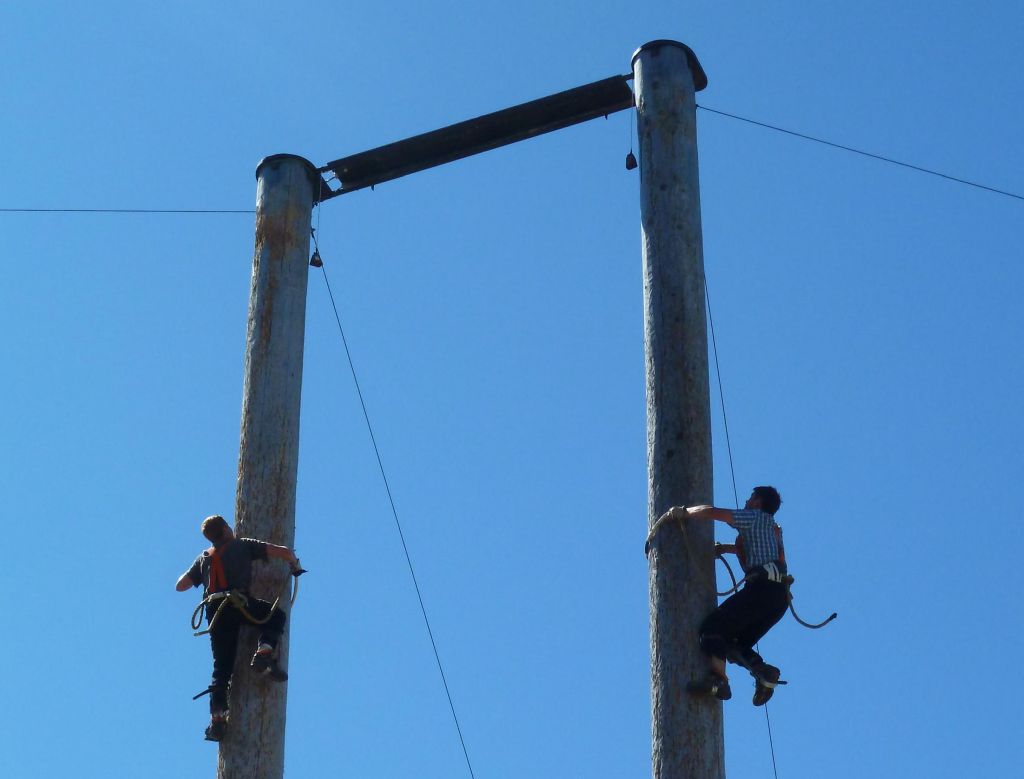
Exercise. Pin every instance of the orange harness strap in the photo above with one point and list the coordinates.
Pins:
(218, 579)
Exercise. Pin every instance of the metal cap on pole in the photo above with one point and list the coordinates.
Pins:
(700, 78)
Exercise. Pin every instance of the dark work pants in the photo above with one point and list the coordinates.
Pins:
(224, 642)
(731, 630)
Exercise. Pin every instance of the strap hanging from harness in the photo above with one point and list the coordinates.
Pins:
(788, 581)
(217, 589)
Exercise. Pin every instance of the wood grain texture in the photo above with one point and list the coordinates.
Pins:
(687, 737)
(269, 452)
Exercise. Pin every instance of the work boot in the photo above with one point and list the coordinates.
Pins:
(218, 726)
(712, 684)
(264, 662)
(766, 678)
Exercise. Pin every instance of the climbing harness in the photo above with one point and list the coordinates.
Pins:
(240, 601)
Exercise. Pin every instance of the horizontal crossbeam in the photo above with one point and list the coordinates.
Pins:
(481, 134)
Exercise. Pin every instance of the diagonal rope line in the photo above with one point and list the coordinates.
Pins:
(394, 512)
(732, 471)
(863, 153)
(721, 393)
(771, 741)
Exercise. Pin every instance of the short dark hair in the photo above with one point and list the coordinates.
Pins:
(213, 528)
(770, 499)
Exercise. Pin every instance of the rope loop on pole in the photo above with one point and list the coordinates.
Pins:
(735, 584)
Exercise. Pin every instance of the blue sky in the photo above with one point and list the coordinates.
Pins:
(867, 319)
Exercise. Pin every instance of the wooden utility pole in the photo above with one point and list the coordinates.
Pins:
(269, 455)
(686, 730)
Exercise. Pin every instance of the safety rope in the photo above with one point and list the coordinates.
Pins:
(815, 626)
(735, 584)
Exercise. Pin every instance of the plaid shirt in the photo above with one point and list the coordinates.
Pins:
(761, 543)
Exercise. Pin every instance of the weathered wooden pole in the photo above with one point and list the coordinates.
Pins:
(686, 730)
(269, 455)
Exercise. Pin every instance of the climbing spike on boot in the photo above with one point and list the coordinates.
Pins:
(217, 728)
(712, 684)
(264, 663)
(766, 679)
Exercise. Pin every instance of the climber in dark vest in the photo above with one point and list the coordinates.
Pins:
(223, 569)
(731, 630)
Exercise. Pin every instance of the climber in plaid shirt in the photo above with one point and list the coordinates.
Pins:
(731, 630)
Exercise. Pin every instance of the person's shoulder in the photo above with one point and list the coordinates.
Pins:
(201, 562)
(254, 546)
(753, 516)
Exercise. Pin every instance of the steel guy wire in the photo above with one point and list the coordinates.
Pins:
(863, 153)
(394, 510)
